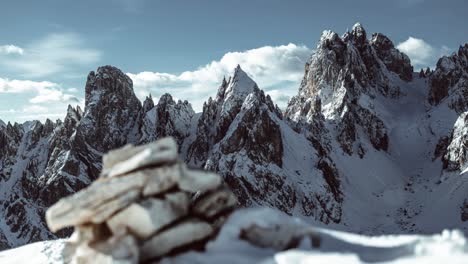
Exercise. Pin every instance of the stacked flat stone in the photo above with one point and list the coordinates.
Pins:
(146, 204)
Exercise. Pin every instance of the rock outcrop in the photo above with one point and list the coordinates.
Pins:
(450, 80)
(41, 163)
(242, 136)
(145, 204)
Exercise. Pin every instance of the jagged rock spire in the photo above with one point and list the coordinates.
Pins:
(148, 104)
(451, 75)
(358, 34)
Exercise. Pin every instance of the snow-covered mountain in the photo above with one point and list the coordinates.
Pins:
(367, 145)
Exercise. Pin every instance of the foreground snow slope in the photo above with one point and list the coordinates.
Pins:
(334, 246)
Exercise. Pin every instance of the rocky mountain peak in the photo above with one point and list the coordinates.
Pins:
(166, 99)
(358, 34)
(451, 78)
(381, 41)
(148, 104)
(393, 59)
(239, 86)
(108, 80)
(71, 120)
(111, 109)
(73, 113)
(331, 46)
(343, 68)
(173, 118)
(49, 126)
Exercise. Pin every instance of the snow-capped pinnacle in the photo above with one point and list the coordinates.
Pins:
(358, 34)
(328, 37)
(240, 85)
(358, 27)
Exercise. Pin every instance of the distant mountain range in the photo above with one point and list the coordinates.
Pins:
(367, 145)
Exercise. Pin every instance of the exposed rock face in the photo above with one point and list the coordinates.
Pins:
(116, 221)
(109, 91)
(168, 118)
(173, 119)
(244, 138)
(393, 59)
(40, 163)
(449, 88)
(24, 156)
(341, 79)
(456, 156)
(350, 103)
(111, 114)
(450, 79)
(218, 115)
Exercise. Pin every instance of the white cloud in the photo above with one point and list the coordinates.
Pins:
(55, 53)
(11, 49)
(22, 86)
(421, 53)
(43, 91)
(35, 109)
(52, 95)
(277, 70)
(72, 90)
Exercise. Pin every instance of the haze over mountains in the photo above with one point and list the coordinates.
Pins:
(367, 145)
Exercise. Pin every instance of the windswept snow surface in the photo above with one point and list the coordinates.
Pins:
(335, 246)
(46, 252)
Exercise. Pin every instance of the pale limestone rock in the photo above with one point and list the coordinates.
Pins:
(104, 211)
(199, 181)
(148, 216)
(182, 234)
(95, 203)
(161, 179)
(118, 155)
(141, 204)
(129, 158)
(214, 203)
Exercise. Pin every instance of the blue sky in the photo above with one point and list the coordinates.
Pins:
(185, 47)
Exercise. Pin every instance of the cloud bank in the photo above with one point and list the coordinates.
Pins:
(276, 69)
(421, 53)
(42, 92)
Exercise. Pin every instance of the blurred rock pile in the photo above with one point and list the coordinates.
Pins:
(145, 205)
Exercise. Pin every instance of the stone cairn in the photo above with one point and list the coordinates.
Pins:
(145, 205)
